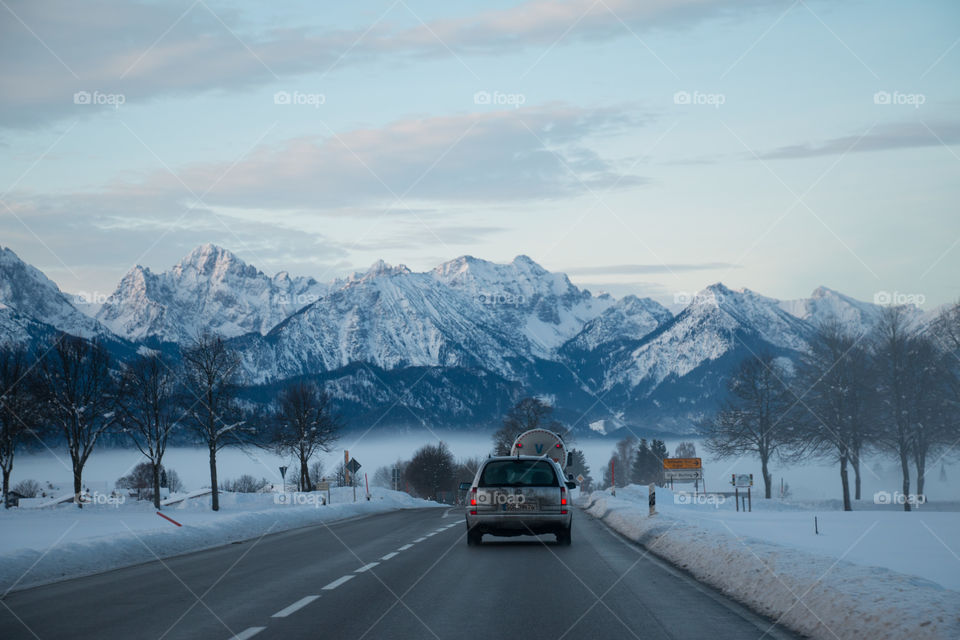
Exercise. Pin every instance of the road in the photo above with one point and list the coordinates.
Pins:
(408, 574)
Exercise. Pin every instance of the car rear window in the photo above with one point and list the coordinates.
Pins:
(518, 473)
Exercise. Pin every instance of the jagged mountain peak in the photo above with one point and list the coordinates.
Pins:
(212, 261)
(209, 289)
(527, 263)
(27, 291)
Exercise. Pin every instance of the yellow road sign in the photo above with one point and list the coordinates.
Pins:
(682, 463)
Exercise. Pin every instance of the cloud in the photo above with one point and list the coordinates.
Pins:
(517, 155)
(634, 269)
(49, 51)
(306, 194)
(903, 135)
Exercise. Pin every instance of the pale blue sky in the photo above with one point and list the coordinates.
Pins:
(599, 171)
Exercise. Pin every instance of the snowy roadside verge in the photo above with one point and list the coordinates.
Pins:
(137, 535)
(816, 595)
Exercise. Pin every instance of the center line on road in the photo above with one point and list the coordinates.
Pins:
(419, 540)
(390, 555)
(367, 567)
(339, 581)
(405, 547)
(296, 606)
(248, 633)
(432, 533)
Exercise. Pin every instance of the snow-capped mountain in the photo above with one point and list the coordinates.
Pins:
(630, 318)
(210, 289)
(24, 289)
(388, 317)
(540, 308)
(457, 344)
(826, 304)
(718, 321)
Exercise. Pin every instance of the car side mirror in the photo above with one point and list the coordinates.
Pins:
(465, 486)
(571, 485)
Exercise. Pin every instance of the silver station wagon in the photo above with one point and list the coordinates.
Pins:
(516, 496)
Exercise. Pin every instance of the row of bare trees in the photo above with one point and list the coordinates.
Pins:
(893, 391)
(72, 390)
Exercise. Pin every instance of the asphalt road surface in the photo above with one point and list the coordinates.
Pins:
(408, 574)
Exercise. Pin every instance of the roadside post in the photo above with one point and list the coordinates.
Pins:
(283, 478)
(652, 490)
(613, 480)
(366, 481)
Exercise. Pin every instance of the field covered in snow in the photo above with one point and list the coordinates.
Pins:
(873, 573)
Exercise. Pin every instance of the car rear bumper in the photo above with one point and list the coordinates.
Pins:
(517, 524)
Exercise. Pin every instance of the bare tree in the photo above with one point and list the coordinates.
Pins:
(685, 450)
(945, 331)
(147, 410)
(17, 406)
(755, 420)
(834, 413)
(432, 470)
(895, 366)
(212, 373)
(304, 425)
(78, 396)
(528, 413)
(619, 468)
(929, 392)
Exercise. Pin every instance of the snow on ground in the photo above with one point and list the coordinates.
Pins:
(48, 544)
(875, 574)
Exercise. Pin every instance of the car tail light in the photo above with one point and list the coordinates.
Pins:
(519, 445)
(473, 501)
(563, 500)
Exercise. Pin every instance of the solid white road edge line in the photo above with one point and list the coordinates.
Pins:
(339, 581)
(248, 633)
(296, 606)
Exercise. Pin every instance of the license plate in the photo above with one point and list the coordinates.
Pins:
(523, 506)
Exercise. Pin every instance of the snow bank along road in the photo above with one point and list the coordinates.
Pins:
(404, 574)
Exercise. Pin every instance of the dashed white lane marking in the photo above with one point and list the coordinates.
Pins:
(339, 581)
(367, 567)
(405, 547)
(432, 533)
(419, 539)
(390, 555)
(248, 633)
(296, 606)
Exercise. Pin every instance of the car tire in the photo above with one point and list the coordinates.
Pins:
(563, 537)
(474, 538)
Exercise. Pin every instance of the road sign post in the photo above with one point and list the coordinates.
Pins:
(353, 466)
(742, 481)
(683, 470)
(283, 479)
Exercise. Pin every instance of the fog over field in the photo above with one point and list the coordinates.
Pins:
(808, 481)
